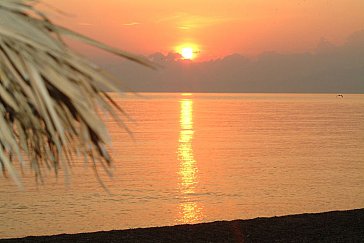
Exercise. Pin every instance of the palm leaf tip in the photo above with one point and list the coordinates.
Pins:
(49, 96)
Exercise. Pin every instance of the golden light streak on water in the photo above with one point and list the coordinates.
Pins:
(189, 210)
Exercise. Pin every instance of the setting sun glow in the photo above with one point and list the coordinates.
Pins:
(187, 53)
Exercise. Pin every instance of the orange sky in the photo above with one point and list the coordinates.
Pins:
(217, 27)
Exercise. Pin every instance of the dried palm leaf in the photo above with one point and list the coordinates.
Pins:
(49, 96)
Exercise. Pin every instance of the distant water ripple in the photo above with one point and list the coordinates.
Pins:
(206, 157)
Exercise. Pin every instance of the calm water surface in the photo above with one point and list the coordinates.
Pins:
(205, 157)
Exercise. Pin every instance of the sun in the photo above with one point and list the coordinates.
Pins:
(187, 53)
(188, 50)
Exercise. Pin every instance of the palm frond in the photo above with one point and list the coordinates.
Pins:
(49, 95)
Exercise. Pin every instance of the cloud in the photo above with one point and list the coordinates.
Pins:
(187, 21)
(184, 27)
(159, 58)
(131, 24)
(330, 69)
(84, 24)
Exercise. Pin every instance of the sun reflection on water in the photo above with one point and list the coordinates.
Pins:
(189, 211)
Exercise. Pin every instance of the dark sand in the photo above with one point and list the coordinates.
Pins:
(337, 226)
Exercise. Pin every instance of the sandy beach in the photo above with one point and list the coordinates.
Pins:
(335, 226)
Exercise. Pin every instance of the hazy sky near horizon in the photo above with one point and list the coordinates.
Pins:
(217, 28)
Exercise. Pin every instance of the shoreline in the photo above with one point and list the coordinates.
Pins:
(333, 226)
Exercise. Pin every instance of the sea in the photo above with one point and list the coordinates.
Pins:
(196, 157)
